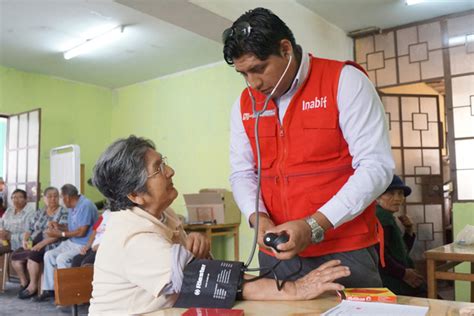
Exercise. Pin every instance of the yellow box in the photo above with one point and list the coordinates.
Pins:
(376, 294)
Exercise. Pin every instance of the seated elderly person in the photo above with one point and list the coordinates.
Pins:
(398, 274)
(82, 214)
(139, 264)
(36, 243)
(14, 222)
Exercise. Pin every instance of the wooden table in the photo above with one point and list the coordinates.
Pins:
(450, 255)
(322, 304)
(212, 230)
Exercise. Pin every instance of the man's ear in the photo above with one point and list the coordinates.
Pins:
(286, 49)
(136, 198)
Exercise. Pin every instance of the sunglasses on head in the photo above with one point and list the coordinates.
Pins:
(239, 31)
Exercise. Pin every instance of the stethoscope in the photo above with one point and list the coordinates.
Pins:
(256, 115)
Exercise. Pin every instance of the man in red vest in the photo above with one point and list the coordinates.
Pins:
(324, 151)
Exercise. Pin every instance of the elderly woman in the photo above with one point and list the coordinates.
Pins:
(138, 268)
(36, 243)
(398, 274)
(14, 221)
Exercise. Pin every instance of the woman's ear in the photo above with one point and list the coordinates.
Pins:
(136, 198)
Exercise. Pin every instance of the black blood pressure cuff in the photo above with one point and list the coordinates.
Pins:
(211, 284)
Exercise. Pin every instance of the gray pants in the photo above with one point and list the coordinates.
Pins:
(363, 264)
(58, 258)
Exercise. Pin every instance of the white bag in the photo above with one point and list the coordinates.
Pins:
(465, 236)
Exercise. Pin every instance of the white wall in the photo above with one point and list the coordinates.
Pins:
(312, 32)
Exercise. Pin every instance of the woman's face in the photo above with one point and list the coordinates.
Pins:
(160, 190)
(51, 199)
(391, 200)
(19, 201)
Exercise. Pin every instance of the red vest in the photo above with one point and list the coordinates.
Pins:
(306, 160)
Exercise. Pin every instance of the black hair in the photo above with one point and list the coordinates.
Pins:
(266, 32)
(22, 192)
(121, 170)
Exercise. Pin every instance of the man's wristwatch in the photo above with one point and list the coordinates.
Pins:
(317, 232)
(63, 234)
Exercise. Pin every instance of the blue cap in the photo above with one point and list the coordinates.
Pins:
(398, 183)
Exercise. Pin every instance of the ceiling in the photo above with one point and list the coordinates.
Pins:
(163, 37)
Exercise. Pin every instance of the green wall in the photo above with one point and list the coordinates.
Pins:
(187, 116)
(3, 139)
(463, 214)
(71, 113)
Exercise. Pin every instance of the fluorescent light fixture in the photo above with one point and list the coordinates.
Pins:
(412, 2)
(461, 40)
(94, 43)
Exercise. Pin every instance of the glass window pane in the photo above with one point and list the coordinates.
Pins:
(12, 166)
(23, 129)
(411, 138)
(434, 214)
(416, 189)
(394, 132)
(433, 67)
(431, 158)
(436, 242)
(22, 166)
(429, 106)
(463, 88)
(391, 106)
(363, 46)
(463, 122)
(412, 159)
(13, 132)
(33, 128)
(397, 156)
(385, 42)
(409, 106)
(465, 184)
(430, 137)
(32, 165)
(425, 231)
(416, 213)
(464, 153)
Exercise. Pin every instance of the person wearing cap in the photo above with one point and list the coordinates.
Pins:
(398, 274)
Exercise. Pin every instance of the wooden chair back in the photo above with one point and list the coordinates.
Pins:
(73, 286)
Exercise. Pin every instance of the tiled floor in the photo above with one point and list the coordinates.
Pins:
(11, 305)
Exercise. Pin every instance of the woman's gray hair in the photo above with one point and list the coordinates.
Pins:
(121, 170)
(69, 190)
(45, 192)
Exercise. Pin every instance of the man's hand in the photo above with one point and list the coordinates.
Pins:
(199, 245)
(264, 224)
(38, 246)
(84, 250)
(412, 278)
(407, 223)
(53, 225)
(53, 233)
(4, 234)
(300, 238)
(321, 280)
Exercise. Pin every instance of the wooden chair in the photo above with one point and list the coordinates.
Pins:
(73, 286)
(4, 261)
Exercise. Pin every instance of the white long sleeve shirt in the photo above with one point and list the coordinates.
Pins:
(362, 122)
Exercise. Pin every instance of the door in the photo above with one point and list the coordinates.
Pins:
(22, 153)
(416, 138)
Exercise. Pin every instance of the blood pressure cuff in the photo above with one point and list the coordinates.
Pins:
(210, 283)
